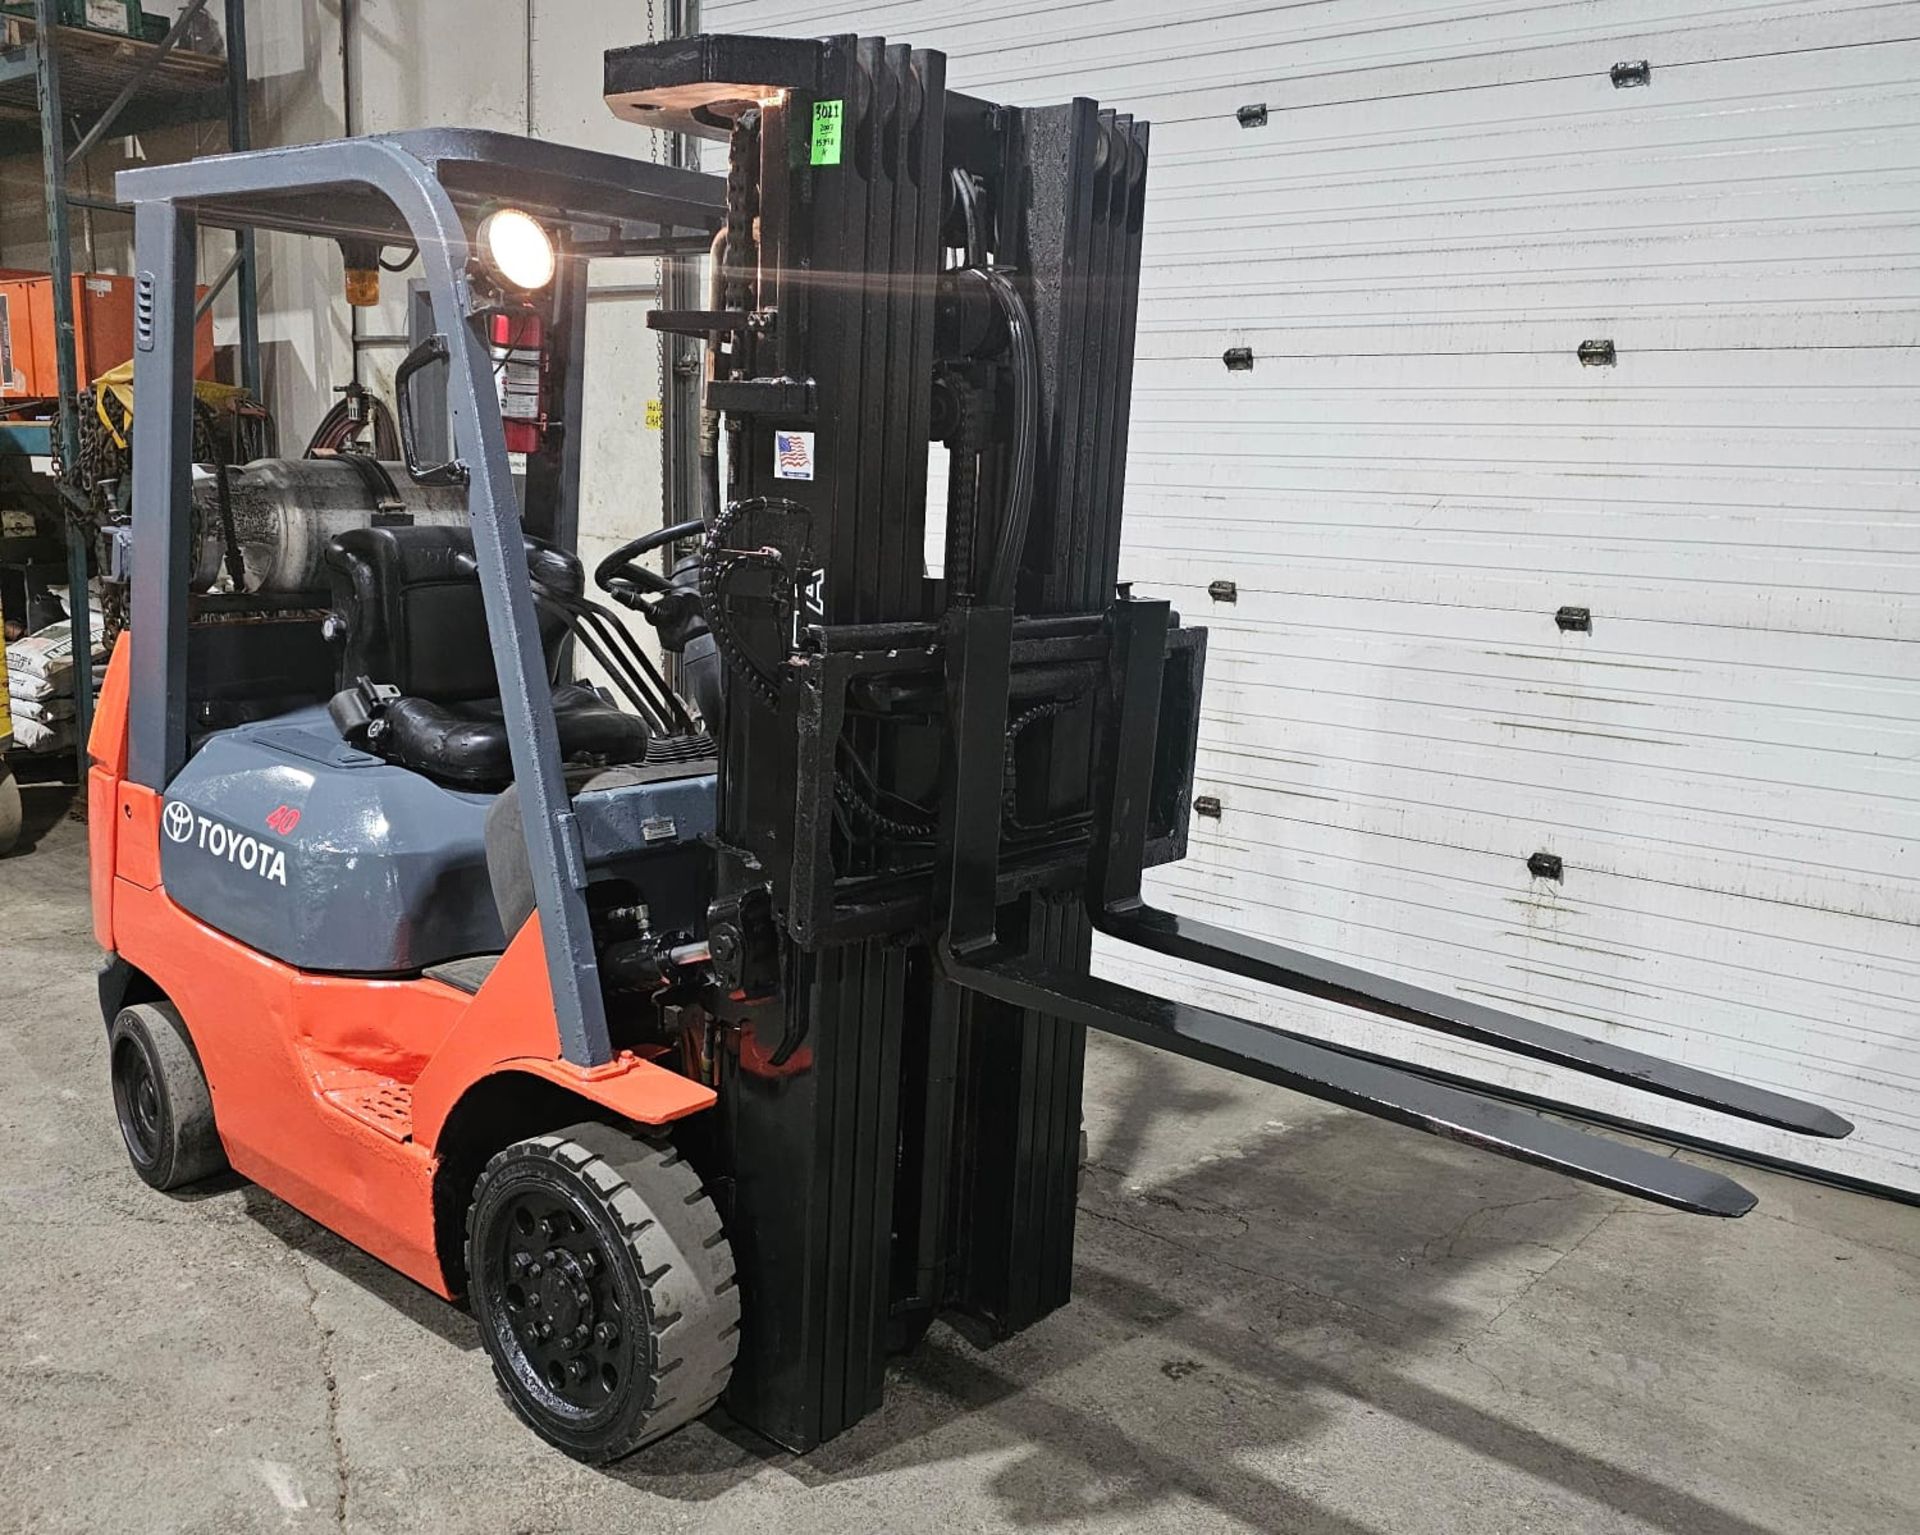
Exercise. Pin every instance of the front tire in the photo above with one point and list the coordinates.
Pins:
(604, 1288)
(161, 1099)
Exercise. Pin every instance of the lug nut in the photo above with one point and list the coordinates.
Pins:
(543, 1331)
(582, 1299)
(577, 1368)
(605, 1334)
(521, 1263)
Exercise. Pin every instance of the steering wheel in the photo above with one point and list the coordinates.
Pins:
(626, 581)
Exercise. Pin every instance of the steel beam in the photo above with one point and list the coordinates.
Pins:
(218, 285)
(240, 137)
(46, 54)
(104, 123)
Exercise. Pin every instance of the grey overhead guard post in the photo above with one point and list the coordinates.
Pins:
(409, 176)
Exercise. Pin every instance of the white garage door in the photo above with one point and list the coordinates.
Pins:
(1443, 203)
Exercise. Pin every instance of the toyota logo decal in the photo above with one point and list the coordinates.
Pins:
(177, 820)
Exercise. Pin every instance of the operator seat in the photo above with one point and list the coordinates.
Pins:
(408, 614)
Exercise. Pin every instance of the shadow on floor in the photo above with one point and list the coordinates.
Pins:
(1361, 1226)
(46, 800)
(1328, 1214)
(421, 1306)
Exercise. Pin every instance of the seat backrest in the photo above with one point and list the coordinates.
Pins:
(407, 609)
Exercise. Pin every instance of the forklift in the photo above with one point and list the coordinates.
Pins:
(713, 1025)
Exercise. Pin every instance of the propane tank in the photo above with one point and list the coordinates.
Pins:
(286, 510)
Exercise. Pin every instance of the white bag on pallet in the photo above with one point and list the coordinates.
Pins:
(44, 711)
(34, 736)
(41, 665)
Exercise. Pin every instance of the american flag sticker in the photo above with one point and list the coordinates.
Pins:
(793, 455)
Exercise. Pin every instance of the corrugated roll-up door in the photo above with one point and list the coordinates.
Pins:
(1585, 306)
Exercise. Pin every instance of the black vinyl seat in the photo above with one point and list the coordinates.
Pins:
(408, 615)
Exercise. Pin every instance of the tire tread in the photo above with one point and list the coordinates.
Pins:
(673, 1235)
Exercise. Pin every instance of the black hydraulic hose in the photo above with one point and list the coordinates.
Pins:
(1012, 542)
(1010, 808)
(236, 562)
(963, 489)
(619, 565)
(709, 487)
(967, 192)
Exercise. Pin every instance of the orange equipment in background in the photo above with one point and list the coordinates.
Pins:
(102, 332)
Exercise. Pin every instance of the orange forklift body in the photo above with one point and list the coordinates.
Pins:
(332, 1091)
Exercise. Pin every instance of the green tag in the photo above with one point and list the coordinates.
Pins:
(826, 132)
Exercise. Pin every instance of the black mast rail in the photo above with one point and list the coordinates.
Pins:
(935, 788)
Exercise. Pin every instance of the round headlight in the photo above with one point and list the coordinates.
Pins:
(517, 249)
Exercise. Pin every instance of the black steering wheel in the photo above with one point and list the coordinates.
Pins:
(621, 577)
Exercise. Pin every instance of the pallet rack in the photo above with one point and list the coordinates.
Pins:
(53, 77)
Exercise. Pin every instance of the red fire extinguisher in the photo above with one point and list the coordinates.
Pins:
(516, 345)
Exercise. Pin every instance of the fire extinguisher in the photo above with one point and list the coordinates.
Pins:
(516, 346)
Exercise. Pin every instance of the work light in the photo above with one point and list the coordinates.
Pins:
(516, 248)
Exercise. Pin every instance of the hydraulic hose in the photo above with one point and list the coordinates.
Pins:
(338, 429)
(1012, 541)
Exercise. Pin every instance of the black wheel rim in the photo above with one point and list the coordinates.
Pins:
(557, 1305)
(136, 1100)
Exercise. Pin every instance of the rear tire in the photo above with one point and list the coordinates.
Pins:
(604, 1288)
(161, 1099)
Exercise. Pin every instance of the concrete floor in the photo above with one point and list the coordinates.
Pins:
(1289, 1318)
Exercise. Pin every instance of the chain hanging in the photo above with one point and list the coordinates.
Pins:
(657, 153)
